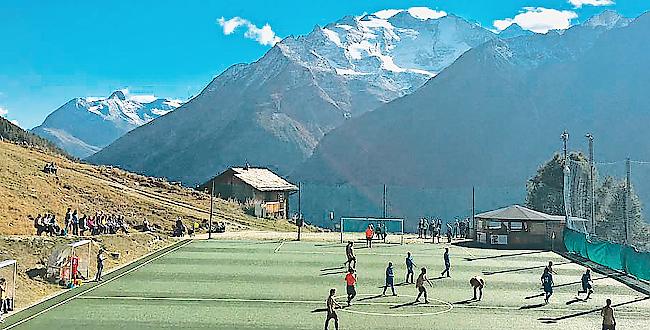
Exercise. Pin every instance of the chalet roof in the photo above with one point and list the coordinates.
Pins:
(263, 179)
(517, 212)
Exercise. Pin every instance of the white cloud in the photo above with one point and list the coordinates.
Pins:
(425, 13)
(580, 3)
(264, 35)
(15, 122)
(538, 19)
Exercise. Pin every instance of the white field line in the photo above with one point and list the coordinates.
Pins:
(278, 248)
(467, 251)
(273, 301)
(360, 303)
(96, 286)
(359, 254)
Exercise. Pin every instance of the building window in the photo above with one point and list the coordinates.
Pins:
(480, 224)
(516, 226)
(494, 225)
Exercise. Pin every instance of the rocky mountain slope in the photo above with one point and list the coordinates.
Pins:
(275, 111)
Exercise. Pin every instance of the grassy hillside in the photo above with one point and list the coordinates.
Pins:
(15, 134)
(26, 190)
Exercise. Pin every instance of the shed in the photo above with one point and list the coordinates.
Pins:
(257, 187)
(518, 226)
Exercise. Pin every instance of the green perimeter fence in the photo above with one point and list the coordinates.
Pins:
(612, 255)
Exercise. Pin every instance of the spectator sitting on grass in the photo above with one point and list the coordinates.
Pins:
(38, 224)
(179, 228)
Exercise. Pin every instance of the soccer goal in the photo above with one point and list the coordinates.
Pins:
(9, 272)
(70, 263)
(388, 226)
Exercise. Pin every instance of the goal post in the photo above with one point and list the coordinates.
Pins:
(393, 226)
(9, 272)
(70, 262)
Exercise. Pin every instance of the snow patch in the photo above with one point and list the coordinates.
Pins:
(349, 72)
(333, 37)
(387, 13)
(425, 13)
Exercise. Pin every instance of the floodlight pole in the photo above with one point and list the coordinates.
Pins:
(88, 267)
(13, 294)
(628, 188)
(565, 139)
(211, 206)
(473, 212)
(592, 182)
(299, 220)
(384, 202)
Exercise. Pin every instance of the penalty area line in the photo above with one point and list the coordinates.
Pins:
(278, 248)
(244, 300)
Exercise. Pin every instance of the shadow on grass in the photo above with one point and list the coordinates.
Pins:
(595, 310)
(333, 268)
(579, 282)
(371, 297)
(575, 300)
(535, 296)
(412, 303)
(521, 269)
(505, 255)
(396, 285)
(532, 306)
(465, 302)
(334, 273)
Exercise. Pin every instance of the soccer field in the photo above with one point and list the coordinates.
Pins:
(273, 285)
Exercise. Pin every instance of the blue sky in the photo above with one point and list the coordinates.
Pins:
(52, 51)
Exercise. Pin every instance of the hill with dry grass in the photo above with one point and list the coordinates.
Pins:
(26, 190)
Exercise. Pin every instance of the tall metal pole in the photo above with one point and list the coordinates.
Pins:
(299, 220)
(592, 182)
(473, 209)
(384, 203)
(211, 206)
(628, 186)
(565, 139)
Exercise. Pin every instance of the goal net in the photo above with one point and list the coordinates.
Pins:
(9, 272)
(388, 228)
(70, 263)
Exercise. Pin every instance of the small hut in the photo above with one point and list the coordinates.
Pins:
(520, 227)
(260, 186)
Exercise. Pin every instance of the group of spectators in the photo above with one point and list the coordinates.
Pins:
(433, 228)
(76, 223)
(50, 168)
(180, 229)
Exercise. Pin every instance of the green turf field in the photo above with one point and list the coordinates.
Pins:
(271, 285)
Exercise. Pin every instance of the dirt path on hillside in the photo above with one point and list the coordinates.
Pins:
(228, 219)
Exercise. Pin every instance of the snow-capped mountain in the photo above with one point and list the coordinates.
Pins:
(394, 51)
(608, 20)
(84, 125)
(273, 112)
(499, 112)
